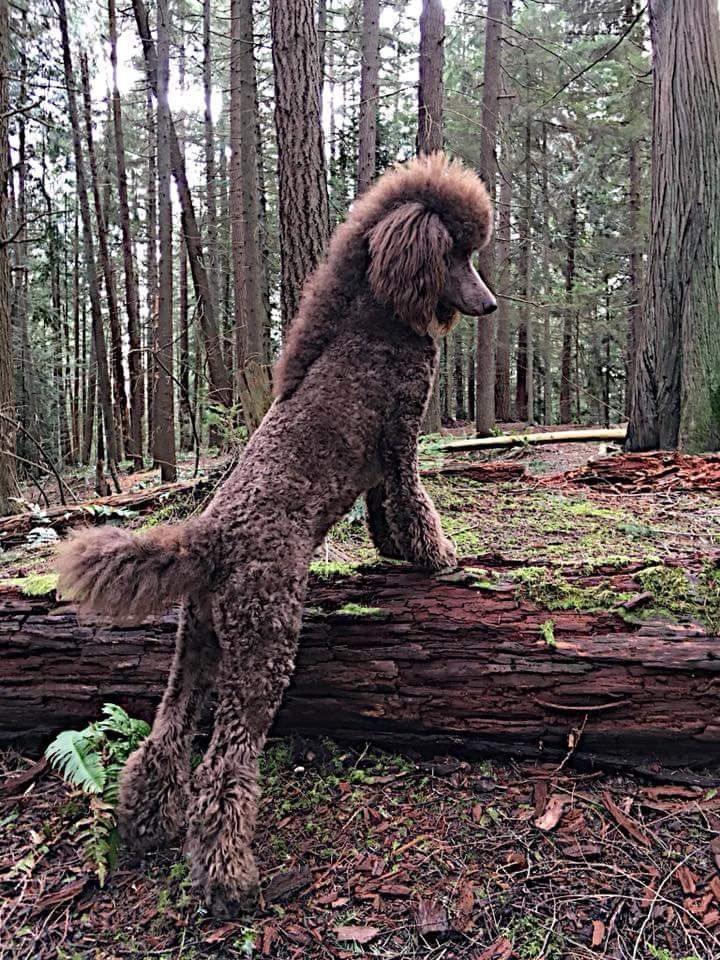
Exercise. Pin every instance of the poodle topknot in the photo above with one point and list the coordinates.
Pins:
(351, 390)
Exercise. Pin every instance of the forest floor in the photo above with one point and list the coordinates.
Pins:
(372, 854)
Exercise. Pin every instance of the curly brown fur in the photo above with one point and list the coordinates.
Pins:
(352, 386)
(122, 574)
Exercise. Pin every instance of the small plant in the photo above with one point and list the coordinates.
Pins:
(92, 759)
(547, 631)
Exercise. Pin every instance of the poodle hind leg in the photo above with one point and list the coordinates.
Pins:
(154, 785)
(258, 655)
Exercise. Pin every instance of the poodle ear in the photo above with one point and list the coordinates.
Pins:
(409, 248)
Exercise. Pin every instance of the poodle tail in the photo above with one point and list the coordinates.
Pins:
(121, 574)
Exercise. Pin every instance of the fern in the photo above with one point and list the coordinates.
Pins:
(75, 755)
(92, 760)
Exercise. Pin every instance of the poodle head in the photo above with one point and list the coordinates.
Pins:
(423, 222)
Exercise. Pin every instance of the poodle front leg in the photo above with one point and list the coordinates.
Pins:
(258, 656)
(154, 785)
(410, 515)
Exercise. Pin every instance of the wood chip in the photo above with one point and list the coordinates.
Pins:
(358, 934)
(431, 919)
(284, 886)
(598, 933)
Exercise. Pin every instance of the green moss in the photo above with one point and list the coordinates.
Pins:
(34, 585)
(554, 592)
(547, 632)
(676, 593)
(358, 610)
(330, 569)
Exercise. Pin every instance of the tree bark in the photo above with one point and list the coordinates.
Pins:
(8, 477)
(566, 358)
(132, 296)
(303, 196)
(676, 394)
(220, 387)
(103, 375)
(163, 393)
(118, 383)
(485, 349)
(547, 292)
(504, 262)
(523, 369)
(250, 318)
(431, 62)
(209, 148)
(436, 664)
(369, 91)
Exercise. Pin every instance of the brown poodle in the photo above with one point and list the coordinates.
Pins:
(351, 389)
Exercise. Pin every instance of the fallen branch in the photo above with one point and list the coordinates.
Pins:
(15, 528)
(614, 434)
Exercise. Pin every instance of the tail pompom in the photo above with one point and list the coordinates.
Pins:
(121, 575)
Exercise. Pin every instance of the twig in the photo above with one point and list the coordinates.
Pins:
(597, 60)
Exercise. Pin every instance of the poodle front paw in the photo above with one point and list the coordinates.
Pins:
(153, 799)
(441, 557)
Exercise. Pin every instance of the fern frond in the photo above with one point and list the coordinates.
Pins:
(75, 757)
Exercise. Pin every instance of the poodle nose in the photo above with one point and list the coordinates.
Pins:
(489, 306)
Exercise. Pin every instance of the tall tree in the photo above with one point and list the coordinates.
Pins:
(250, 316)
(8, 479)
(504, 262)
(163, 394)
(566, 356)
(303, 198)
(132, 296)
(99, 343)
(369, 91)
(430, 127)
(220, 388)
(118, 382)
(485, 351)
(676, 396)
(210, 179)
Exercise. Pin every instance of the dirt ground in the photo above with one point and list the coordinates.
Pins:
(371, 854)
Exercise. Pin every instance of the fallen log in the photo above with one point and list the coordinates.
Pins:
(15, 528)
(645, 472)
(392, 656)
(499, 471)
(606, 434)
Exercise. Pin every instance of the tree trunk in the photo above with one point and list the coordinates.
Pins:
(151, 226)
(527, 313)
(8, 478)
(220, 388)
(430, 129)
(566, 358)
(209, 146)
(303, 197)
(369, 92)
(504, 262)
(163, 394)
(485, 349)
(118, 383)
(676, 395)
(103, 375)
(433, 664)
(523, 367)
(132, 296)
(250, 318)
(547, 291)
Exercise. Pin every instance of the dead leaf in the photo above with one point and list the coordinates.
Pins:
(464, 907)
(64, 895)
(222, 933)
(553, 812)
(627, 823)
(500, 950)
(598, 933)
(284, 886)
(358, 934)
